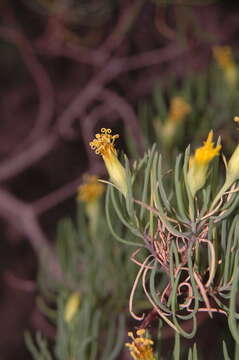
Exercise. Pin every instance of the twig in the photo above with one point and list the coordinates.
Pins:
(125, 22)
(21, 161)
(131, 123)
(154, 57)
(22, 216)
(53, 199)
(40, 77)
(88, 125)
(18, 283)
(112, 69)
(67, 49)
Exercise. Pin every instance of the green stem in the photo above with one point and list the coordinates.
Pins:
(224, 188)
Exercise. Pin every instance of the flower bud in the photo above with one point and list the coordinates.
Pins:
(199, 163)
(179, 109)
(225, 60)
(89, 192)
(169, 129)
(233, 167)
(72, 306)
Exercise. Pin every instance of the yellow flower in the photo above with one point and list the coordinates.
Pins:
(72, 306)
(223, 56)
(141, 347)
(91, 189)
(199, 163)
(90, 192)
(225, 60)
(179, 108)
(103, 144)
(167, 131)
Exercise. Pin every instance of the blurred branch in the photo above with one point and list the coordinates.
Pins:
(91, 56)
(22, 216)
(156, 56)
(19, 283)
(88, 126)
(111, 70)
(118, 103)
(54, 198)
(125, 22)
(22, 160)
(40, 77)
(25, 216)
(49, 44)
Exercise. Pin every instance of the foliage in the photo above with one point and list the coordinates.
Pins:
(100, 271)
(212, 100)
(184, 237)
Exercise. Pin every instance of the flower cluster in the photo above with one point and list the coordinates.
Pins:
(141, 346)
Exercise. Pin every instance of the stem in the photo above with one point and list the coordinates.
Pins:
(224, 188)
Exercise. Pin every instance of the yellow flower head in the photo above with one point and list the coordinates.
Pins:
(72, 306)
(141, 347)
(91, 189)
(179, 108)
(198, 164)
(103, 144)
(236, 119)
(223, 56)
(168, 130)
(204, 154)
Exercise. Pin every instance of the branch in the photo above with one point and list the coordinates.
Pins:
(40, 77)
(125, 22)
(118, 103)
(22, 216)
(107, 74)
(21, 161)
(88, 126)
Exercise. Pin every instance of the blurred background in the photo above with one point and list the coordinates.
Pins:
(70, 67)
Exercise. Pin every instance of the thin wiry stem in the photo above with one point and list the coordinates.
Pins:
(203, 292)
(161, 314)
(131, 298)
